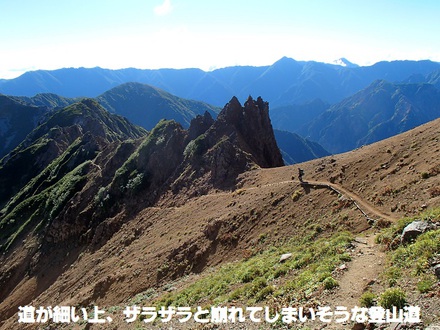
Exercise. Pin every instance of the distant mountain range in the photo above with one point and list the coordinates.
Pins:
(341, 106)
(380, 111)
(285, 82)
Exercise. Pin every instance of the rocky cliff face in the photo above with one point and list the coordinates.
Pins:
(254, 130)
(240, 139)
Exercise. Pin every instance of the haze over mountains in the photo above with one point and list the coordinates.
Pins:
(287, 81)
(312, 99)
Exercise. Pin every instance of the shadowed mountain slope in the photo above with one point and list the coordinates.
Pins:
(295, 149)
(17, 119)
(48, 100)
(375, 113)
(292, 118)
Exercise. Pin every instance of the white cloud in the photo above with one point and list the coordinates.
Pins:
(165, 8)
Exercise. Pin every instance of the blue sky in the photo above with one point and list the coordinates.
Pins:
(51, 34)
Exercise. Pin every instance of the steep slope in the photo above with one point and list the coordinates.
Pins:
(80, 129)
(284, 82)
(20, 115)
(83, 173)
(145, 105)
(375, 113)
(16, 121)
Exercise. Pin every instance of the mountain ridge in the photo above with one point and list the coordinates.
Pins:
(142, 104)
(83, 123)
(145, 105)
(304, 83)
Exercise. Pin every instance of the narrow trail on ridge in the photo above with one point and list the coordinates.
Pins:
(368, 210)
(362, 205)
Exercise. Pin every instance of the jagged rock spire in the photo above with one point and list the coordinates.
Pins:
(252, 124)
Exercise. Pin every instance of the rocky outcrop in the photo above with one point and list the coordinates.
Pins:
(436, 269)
(240, 139)
(199, 125)
(254, 131)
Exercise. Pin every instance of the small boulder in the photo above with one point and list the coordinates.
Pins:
(437, 271)
(343, 267)
(285, 256)
(415, 229)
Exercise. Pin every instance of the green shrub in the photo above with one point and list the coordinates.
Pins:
(263, 293)
(345, 257)
(425, 175)
(330, 283)
(367, 299)
(296, 195)
(425, 285)
(281, 272)
(236, 294)
(250, 274)
(393, 297)
(392, 275)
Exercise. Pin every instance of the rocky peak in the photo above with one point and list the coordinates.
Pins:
(254, 128)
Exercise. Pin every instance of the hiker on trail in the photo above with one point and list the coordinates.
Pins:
(300, 174)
